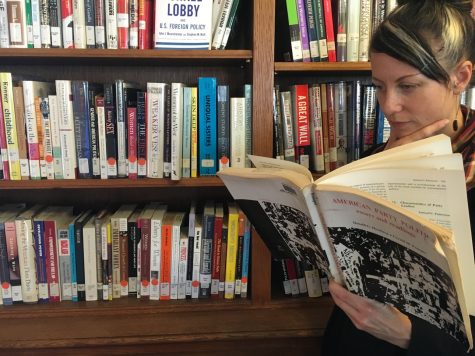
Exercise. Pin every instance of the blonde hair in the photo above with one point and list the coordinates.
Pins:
(433, 36)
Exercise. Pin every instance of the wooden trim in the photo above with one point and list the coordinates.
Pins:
(322, 66)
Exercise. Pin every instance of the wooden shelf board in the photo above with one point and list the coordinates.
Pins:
(322, 66)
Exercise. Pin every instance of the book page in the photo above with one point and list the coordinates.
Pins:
(266, 162)
(394, 258)
(278, 211)
(437, 194)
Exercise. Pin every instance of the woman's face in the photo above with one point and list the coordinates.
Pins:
(407, 97)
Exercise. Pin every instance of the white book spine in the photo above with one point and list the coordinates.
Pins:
(155, 256)
(79, 23)
(55, 137)
(90, 265)
(17, 23)
(35, 19)
(66, 128)
(45, 28)
(314, 286)
(4, 36)
(353, 31)
(316, 128)
(182, 266)
(238, 132)
(101, 128)
(47, 141)
(365, 30)
(177, 130)
(155, 129)
(195, 284)
(64, 259)
(175, 260)
(221, 24)
(139, 271)
(287, 126)
(217, 8)
(111, 24)
(27, 258)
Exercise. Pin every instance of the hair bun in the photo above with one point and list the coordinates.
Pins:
(464, 5)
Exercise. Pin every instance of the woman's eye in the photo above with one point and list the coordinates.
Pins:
(407, 87)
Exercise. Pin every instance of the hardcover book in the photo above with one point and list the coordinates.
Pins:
(399, 205)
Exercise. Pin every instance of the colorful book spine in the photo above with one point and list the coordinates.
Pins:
(5, 169)
(145, 24)
(19, 107)
(72, 249)
(13, 261)
(123, 24)
(52, 271)
(301, 124)
(176, 109)
(231, 253)
(294, 29)
(247, 124)
(93, 91)
(194, 132)
(246, 252)
(175, 254)
(141, 135)
(302, 18)
(101, 132)
(111, 130)
(207, 126)
(222, 261)
(330, 87)
(132, 169)
(328, 14)
(166, 257)
(217, 250)
(223, 129)
(182, 264)
(29, 24)
(321, 31)
(195, 284)
(312, 31)
(64, 260)
(186, 144)
(167, 134)
(10, 126)
(67, 23)
(43, 294)
(6, 287)
(342, 18)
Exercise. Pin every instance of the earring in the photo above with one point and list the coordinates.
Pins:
(455, 125)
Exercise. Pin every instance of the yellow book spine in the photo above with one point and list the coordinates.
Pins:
(231, 253)
(194, 132)
(10, 126)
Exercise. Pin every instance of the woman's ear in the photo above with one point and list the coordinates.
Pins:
(461, 76)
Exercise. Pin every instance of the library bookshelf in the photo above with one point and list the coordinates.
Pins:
(264, 323)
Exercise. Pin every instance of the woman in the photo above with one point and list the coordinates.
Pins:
(422, 59)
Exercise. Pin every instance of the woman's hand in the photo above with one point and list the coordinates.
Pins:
(380, 320)
(426, 131)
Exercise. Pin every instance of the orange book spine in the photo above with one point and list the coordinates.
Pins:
(165, 275)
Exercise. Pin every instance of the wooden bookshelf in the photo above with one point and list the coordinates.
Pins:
(264, 323)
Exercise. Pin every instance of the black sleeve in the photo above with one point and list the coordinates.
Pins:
(427, 339)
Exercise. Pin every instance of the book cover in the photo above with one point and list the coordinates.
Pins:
(183, 25)
(347, 221)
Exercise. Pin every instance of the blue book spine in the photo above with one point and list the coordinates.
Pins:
(74, 280)
(379, 126)
(4, 269)
(41, 261)
(207, 156)
(82, 127)
(245, 258)
(312, 31)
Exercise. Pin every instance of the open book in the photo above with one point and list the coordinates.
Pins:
(393, 227)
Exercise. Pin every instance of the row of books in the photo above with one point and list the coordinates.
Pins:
(52, 253)
(298, 279)
(324, 126)
(326, 30)
(76, 129)
(121, 24)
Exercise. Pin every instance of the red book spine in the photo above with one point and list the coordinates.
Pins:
(302, 125)
(123, 24)
(145, 24)
(145, 230)
(67, 23)
(52, 272)
(327, 10)
(132, 142)
(331, 126)
(165, 273)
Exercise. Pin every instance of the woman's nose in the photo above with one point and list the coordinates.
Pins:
(390, 102)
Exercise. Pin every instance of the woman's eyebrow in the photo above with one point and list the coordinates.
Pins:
(398, 79)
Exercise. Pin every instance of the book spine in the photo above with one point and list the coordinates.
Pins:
(132, 169)
(66, 128)
(175, 260)
(26, 256)
(133, 240)
(98, 221)
(353, 31)
(167, 134)
(302, 19)
(231, 254)
(52, 261)
(13, 261)
(165, 261)
(79, 259)
(321, 31)
(45, 24)
(82, 127)
(47, 138)
(207, 125)
(328, 14)
(285, 277)
(39, 128)
(302, 284)
(133, 24)
(55, 23)
(121, 115)
(379, 13)
(195, 284)
(72, 249)
(115, 257)
(111, 24)
(104, 259)
(90, 23)
(189, 265)
(238, 132)
(79, 23)
(301, 124)
(292, 274)
(16, 11)
(155, 130)
(29, 24)
(341, 123)
(312, 31)
(223, 128)
(288, 126)
(6, 287)
(101, 129)
(67, 23)
(278, 151)
(145, 240)
(100, 23)
(90, 267)
(10, 126)
(342, 18)
(94, 133)
(186, 147)
(246, 250)
(221, 24)
(316, 129)
(111, 130)
(312, 279)
(331, 125)
(248, 123)
(141, 135)
(216, 256)
(55, 137)
(110, 272)
(222, 261)
(194, 132)
(19, 107)
(364, 30)
(229, 24)
(240, 245)
(64, 259)
(3, 147)
(176, 130)
(43, 294)
(368, 116)
(182, 266)
(326, 145)
(4, 32)
(124, 257)
(294, 29)
(145, 17)
(123, 24)
(206, 255)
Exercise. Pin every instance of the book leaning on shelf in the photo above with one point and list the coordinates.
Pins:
(393, 227)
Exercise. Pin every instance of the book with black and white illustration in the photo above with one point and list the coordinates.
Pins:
(393, 227)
